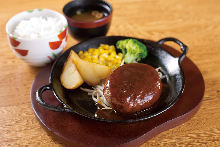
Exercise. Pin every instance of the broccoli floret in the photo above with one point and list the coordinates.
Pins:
(132, 50)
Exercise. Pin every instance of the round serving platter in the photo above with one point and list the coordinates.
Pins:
(74, 130)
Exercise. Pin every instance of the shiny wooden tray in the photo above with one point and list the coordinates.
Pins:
(74, 130)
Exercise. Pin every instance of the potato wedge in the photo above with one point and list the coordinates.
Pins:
(91, 73)
(70, 77)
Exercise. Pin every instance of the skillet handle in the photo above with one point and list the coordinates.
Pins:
(40, 100)
(183, 47)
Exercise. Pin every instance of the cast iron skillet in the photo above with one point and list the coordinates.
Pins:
(80, 103)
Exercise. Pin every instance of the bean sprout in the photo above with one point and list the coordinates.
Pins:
(97, 95)
(160, 72)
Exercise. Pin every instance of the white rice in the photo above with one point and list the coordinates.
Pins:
(38, 28)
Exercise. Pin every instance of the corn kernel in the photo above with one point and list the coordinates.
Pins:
(113, 54)
(108, 58)
(82, 56)
(101, 50)
(106, 47)
(86, 53)
(111, 47)
(101, 58)
(95, 57)
(90, 50)
(95, 52)
(80, 53)
(102, 62)
(110, 64)
(95, 61)
(120, 54)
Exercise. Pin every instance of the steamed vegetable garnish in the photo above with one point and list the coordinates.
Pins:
(104, 54)
(132, 49)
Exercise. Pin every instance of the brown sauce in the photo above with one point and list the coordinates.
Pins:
(89, 15)
(132, 88)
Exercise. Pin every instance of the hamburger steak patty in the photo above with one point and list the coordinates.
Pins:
(132, 88)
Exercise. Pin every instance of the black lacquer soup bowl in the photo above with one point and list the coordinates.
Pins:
(82, 30)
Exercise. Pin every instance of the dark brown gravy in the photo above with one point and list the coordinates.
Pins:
(112, 115)
(132, 88)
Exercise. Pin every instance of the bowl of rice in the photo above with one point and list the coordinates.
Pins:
(37, 36)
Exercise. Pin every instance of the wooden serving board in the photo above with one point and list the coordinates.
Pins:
(74, 130)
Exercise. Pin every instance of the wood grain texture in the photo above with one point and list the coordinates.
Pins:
(196, 23)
